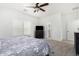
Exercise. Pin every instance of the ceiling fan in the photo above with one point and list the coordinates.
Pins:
(38, 7)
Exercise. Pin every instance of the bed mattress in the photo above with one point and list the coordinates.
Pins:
(23, 46)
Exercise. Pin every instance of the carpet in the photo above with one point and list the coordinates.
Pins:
(61, 48)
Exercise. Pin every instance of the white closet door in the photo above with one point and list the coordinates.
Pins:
(18, 27)
(72, 28)
(70, 32)
(27, 28)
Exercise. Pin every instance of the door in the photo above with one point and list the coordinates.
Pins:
(70, 31)
(27, 28)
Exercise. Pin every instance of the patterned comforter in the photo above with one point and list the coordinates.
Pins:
(23, 46)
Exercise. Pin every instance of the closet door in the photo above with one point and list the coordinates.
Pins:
(70, 32)
(18, 26)
(27, 28)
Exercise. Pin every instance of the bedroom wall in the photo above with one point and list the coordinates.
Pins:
(55, 23)
(5, 22)
(70, 24)
(62, 25)
(12, 22)
(72, 21)
(15, 22)
(67, 19)
(25, 25)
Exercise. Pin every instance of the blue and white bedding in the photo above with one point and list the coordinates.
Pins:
(23, 46)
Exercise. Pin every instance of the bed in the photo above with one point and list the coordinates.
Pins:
(23, 46)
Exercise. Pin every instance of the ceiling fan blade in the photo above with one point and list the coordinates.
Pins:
(42, 9)
(45, 4)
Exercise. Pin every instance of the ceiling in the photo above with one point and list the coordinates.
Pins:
(52, 8)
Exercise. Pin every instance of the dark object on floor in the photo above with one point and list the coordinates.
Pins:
(76, 43)
(39, 32)
(47, 55)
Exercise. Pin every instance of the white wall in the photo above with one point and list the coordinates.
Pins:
(67, 19)
(55, 26)
(12, 22)
(5, 22)
(63, 25)
(70, 24)
(15, 23)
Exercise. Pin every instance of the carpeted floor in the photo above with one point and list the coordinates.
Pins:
(61, 48)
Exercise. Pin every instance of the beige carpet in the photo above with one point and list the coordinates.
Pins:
(61, 48)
